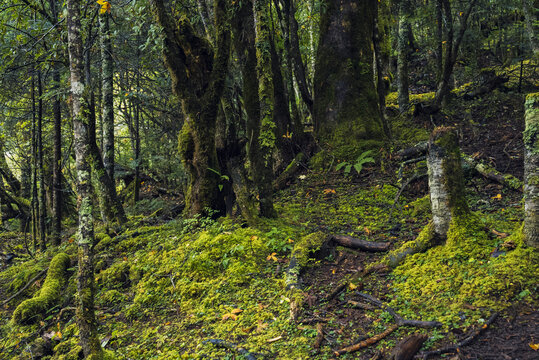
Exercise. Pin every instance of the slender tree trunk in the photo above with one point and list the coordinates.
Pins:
(531, 172)
(107, 94)
(402, 57)
(530, 15)
(439, 41)
(34, 201)
(86, 320)
(57, 162)
(42, 214)
(380, 83)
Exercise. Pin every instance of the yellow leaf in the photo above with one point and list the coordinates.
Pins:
(333, 271)
(229, 316)
(101, 2)
(367, 230)
(329, 191)
(534, 346)
(59, 334)
(254, 237)
(352, 286)
(272, 257)
(167, 323)
(461, 13)
(497, 197)
(290, 241)
(236, 311)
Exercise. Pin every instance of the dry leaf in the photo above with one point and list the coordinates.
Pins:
(534, 346)
(497, 197)
(329, 191)
(236, 311)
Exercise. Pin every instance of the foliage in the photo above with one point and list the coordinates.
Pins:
(361, 160)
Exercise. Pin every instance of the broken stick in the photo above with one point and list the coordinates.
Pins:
(365, 343)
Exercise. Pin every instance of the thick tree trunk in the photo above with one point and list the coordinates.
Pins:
(107, 94)
(198, 80)
(531, 172)
(266, 139)
(86, 320)
(346, 106)
(402, 57)
(446, 181)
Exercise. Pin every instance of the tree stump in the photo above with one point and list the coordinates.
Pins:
(446, 184)
(531, 172)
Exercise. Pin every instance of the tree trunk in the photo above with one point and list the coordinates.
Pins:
(107, 94)
(266, 140)
(446, 184)
(86, 320)
(531, 172)
(34, 157)
(57, 162)
(198, 80)
(530, 16)
(381, 87)
(42, 213)
(402, 57)
(345, 100)
(439, 40)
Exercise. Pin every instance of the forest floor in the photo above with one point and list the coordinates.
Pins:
(170, 288)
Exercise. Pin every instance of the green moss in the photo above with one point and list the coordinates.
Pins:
(462, 275)
(116, 276)
(32, 309)
(423, 241)
(307, 246)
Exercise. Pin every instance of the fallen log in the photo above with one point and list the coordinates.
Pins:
(33, 280)
(355, 243)
(319, 336)
(491, 173)
(466, 341)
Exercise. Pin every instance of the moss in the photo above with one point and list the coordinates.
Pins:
(307, 246)
(462, 275)
(116, 276)
(423, 241)
(31, 310)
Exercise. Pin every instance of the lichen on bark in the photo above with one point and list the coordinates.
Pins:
(531, 172)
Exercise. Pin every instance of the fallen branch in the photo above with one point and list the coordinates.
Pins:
(319, 336)
(231, 346)
(365, 343)
(408, 347)
(466, 341)
(492, 174)
(339, 289)
(399, 193)
(360, 244)
(30, 283)
(398, 319)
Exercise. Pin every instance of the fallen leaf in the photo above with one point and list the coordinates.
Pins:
(499, 234)
(329, 191)
(352, 286)
(534, 346)
(272, 257)
(236, 311)
(229, 316)
(497, 197)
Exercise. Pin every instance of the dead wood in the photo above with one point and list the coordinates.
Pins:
(319, 336)
(492, 174)
(360, 244)
(363, 344)
(356, 304)
(413, 152)
(33, 280)
(339, 289)
(290, 171)
(408, 347)
(398, 319)
(466, 341)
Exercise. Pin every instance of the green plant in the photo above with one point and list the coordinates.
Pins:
(221, 177)
(358, 165)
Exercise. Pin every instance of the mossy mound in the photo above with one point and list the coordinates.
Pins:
(466, 278)
(31, 310)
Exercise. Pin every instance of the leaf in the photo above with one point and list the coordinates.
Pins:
(220, 186)
(229, 317)
(236, 311)
(358, 167)
(340, 165)
(347, 169)
(352, 286)
(329, 191)
(497, 197)
(272, 257)
(534, 346)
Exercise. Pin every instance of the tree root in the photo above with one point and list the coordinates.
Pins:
(466, 341)
(234, 347)
(363, 344)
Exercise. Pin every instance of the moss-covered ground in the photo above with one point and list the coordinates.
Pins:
(167, 287)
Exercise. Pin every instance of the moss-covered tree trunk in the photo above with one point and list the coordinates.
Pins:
(85, 308)
(446, 181)
(42, 213)
(531, 172)
(402, 55)
(345, 100)
(263, 167)
(198, 74)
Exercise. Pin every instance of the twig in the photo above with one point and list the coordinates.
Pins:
(466, 341)
(365, 343)
(336, 291)
(399, 193)
(31, 282)
(319, 336)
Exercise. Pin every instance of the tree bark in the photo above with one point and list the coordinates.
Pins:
(402, 57)
(107, 93)
(42, 213)
(531, 172)
(345, 100)
(86, 320)
(446, 181)
(198, 80)
(57, 162)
